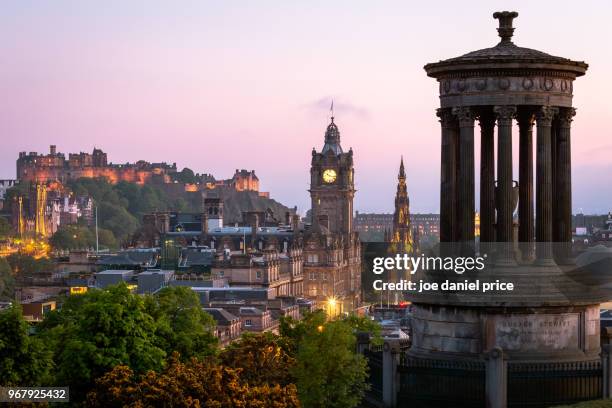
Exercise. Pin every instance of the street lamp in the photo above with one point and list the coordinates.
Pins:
(331, 304)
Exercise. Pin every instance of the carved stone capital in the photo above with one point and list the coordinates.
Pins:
(504, 114)
(465, 115)
(486, 120)
(545, 115)
(447, 119)
(525, 118)
(566, 116)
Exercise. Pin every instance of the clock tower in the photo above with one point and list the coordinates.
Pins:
(332, 250)
(332, 186)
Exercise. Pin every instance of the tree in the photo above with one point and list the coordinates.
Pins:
(72, 237)
(97, 331)
(78, 236)
(106, 239)
(192, 384)
(27, 265)
(5, 228)
(181, 324)
(23, 358)
(7, 281)
(117, 219)
(185, 176)
(263, 359)
(329, 372)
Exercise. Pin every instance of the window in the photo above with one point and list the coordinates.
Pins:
(258, 274)
(221, 273)
(248, 322)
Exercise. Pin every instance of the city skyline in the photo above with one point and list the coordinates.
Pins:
(179, 84)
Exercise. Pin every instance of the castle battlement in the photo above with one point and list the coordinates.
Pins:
(35, 167)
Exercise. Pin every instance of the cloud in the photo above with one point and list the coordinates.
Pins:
(595, 151)
(341, 107)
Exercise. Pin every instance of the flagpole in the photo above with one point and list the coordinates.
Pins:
(97, 247)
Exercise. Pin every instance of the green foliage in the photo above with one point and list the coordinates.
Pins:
(263, 358)
(195, 383)
(78, 236)
(122, 205)
(181, 324)
(12, 193)
(329, 371)
(7, 281)
(5, 228)
(27, 265)
(185, 176)
(23, 358)
(96, 331)
(365, 325)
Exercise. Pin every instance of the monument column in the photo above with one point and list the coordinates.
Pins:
(504, 114)
(448, 176)
(465, 197)
(487, 178)
(563, 183)
(544, 118)
(525, 210)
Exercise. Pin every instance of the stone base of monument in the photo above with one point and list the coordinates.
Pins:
(544, 337)
(569, 333)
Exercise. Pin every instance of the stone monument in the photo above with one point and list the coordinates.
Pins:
(552, 315)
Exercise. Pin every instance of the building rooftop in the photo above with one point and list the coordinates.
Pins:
(221, 316)
(116, 272)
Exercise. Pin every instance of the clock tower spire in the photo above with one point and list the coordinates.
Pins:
(331, 184)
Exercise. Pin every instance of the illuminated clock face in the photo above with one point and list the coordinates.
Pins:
(329, 175)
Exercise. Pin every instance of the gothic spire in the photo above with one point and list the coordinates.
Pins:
(401, 238)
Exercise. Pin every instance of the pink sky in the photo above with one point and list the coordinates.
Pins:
(220, 85)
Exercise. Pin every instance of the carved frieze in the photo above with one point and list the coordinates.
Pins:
(453, 86)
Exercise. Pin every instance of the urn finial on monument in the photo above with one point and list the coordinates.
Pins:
(505, 29)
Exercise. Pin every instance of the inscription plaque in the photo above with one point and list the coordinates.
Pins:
(536, 332)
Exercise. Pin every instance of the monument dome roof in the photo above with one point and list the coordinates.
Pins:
(506, 55)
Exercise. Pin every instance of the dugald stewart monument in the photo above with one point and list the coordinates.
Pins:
(537, 344)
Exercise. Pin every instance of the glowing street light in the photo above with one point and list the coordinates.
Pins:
(331, 305)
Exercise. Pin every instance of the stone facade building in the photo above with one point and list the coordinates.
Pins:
(427, 224)
(332, 250)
